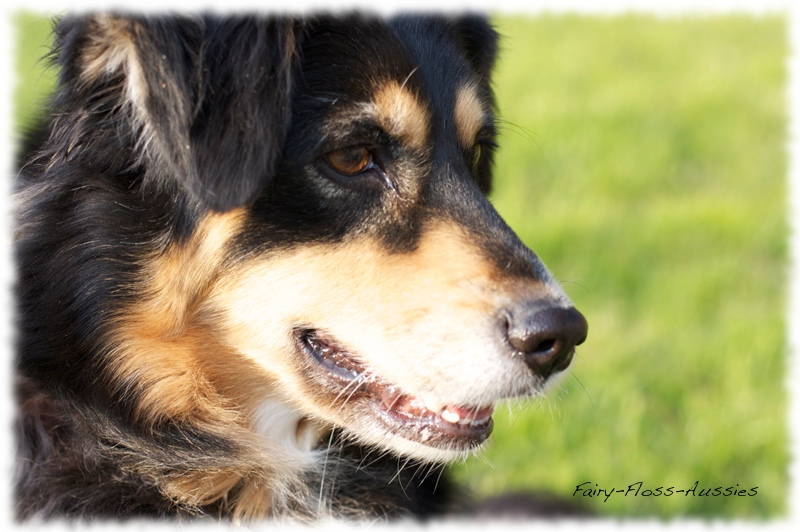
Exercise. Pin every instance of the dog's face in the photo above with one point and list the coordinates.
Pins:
(386, 310)
(341, 267)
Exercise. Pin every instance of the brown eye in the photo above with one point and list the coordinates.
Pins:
(349, 161)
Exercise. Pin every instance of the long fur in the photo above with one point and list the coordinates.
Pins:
(211, 308)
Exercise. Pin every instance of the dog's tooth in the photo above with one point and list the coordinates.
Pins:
(450, 416)
(433, 405)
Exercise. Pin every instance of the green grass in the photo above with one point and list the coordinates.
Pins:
(34, 80)
(644, 160)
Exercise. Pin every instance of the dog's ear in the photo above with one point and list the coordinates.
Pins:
(202, 100)
(479, 41)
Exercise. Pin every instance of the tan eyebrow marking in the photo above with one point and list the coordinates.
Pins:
(402, 114)
(470, 114)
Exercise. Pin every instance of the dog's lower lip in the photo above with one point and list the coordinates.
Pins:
(453, 427)
(445, 425)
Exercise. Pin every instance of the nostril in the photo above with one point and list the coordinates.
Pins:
(546, 336)
(544, 346)
(528, 341)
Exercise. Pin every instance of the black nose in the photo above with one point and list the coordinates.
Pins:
(546, 335)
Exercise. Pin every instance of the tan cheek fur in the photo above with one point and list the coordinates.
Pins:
(162, 349)
(169, 355)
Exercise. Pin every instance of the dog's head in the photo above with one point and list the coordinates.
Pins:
(320, 250)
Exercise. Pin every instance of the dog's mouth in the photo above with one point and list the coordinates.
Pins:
(425, 421)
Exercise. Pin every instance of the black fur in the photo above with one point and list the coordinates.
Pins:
(233, 106)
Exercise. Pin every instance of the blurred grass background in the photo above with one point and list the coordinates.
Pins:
(35, 80)
(644, 159)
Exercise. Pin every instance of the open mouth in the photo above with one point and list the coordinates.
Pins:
(425, 421)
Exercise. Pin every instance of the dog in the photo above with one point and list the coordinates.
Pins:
(258, 274)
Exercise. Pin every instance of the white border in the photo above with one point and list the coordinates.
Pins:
(598, 7)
